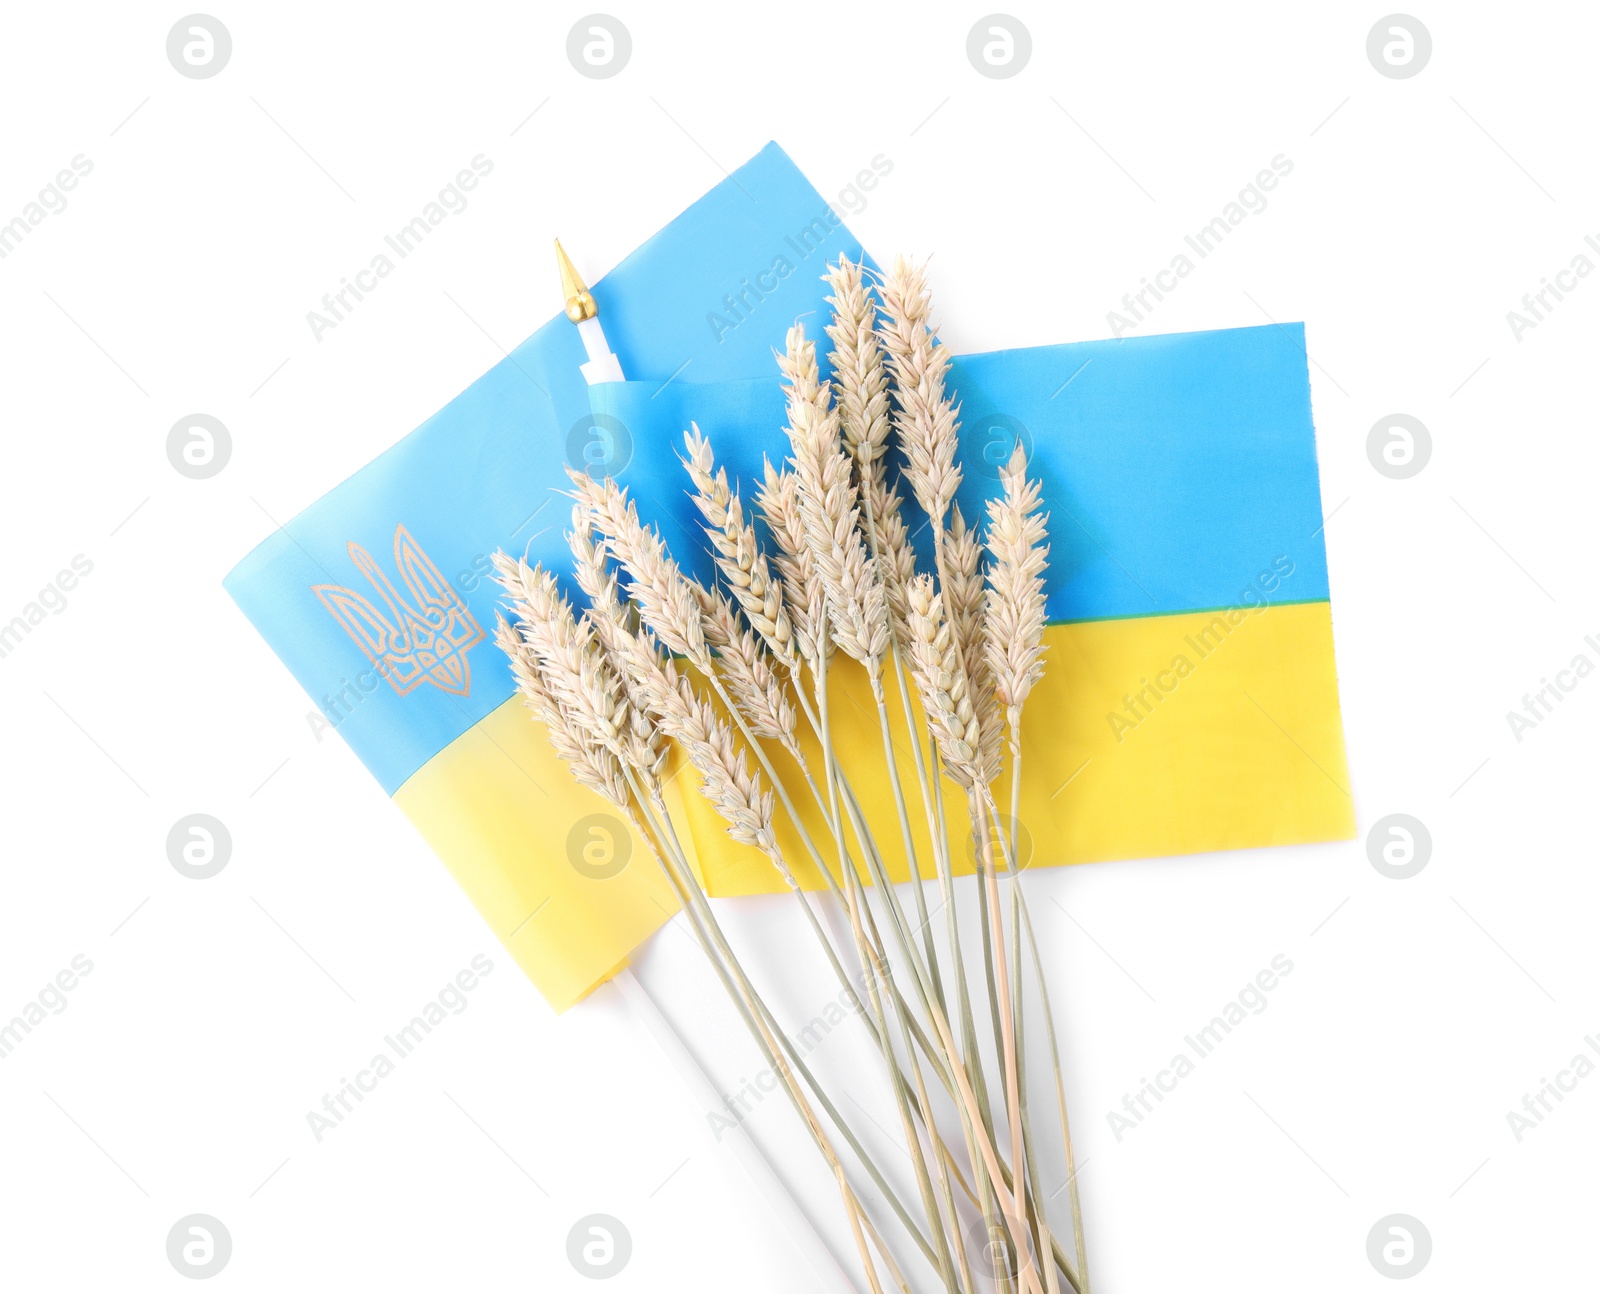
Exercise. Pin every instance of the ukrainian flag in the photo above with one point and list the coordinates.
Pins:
(1189, 702)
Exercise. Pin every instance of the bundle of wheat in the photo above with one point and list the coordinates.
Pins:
(616, 682)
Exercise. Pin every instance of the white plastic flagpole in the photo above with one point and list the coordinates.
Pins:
(736, 1141)
(603, 366)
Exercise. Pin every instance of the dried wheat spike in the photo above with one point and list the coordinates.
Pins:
(924, 416)
(692, 721)
(1014, 614)
(964, 606)
(728, 781)
(779, 500)
(738, 552)
(571, 663)
(942, 682)
(612, 620)
(747, 669)
(592, 765)
(862, 393)
(666, 602)
(858, 612)
(861, 389)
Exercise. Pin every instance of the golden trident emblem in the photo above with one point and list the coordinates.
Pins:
(423, 639)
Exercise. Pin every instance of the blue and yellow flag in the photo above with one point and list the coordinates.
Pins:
(1189, 701)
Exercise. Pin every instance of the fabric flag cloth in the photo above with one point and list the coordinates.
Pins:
(1189, 701)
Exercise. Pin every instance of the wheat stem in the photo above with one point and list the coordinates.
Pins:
(1079, 1277)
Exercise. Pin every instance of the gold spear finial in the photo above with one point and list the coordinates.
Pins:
(580, 305)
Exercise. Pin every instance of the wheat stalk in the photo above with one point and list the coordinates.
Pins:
(718, 505)
(926, 420)
(655, 827)
(863, 403)
(1013, 629)
(858, 617)
(682, 714)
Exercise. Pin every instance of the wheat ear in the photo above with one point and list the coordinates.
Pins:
(670, 607)
(571, 663)
(592, 765)
(729, 783)
(667, 601)
(747, 666)
(964, 605)
(738, 552)
(1014, 611)
(646, 746)
(857, 610)
(778, 498)
(693, 722)
(861, 390)
(942, 682)
(924, 418)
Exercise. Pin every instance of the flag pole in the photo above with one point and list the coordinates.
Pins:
(734, 1140)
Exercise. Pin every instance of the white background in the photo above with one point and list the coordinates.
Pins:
(219, 211)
